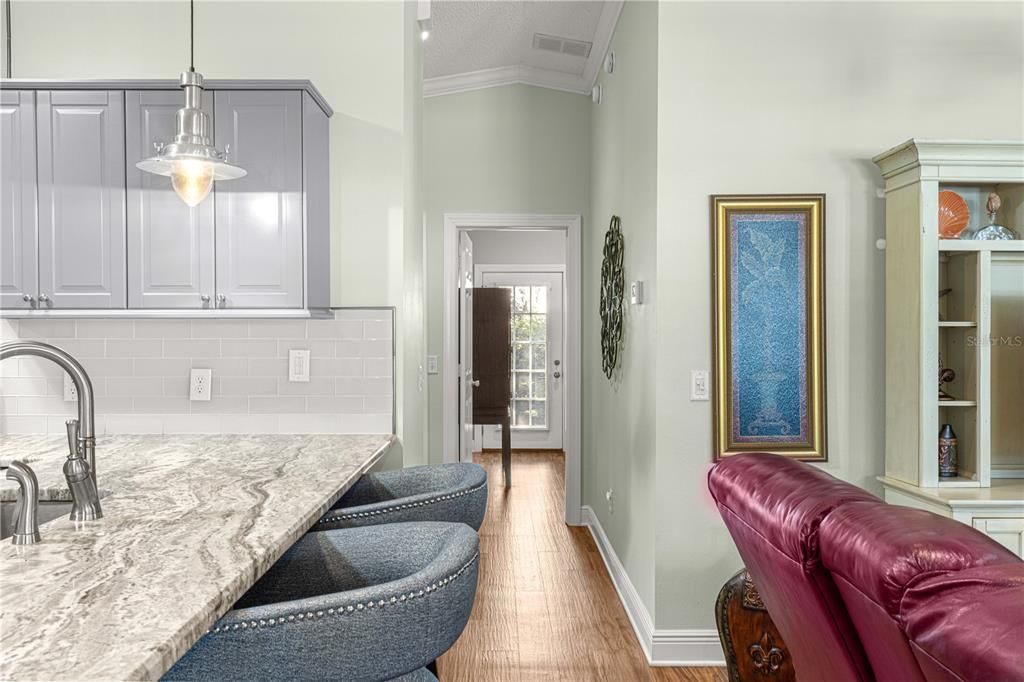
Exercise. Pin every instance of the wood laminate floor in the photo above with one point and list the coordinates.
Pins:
(545, 607)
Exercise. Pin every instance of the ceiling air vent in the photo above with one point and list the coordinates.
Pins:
(574, 48)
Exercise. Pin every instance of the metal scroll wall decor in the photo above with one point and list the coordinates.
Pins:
(612, 290)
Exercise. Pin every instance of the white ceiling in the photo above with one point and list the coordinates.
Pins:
(481, 43)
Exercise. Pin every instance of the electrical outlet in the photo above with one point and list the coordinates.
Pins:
(70, 392)
(199, 384)
(609, 496)
(699, 384)
(298, 365)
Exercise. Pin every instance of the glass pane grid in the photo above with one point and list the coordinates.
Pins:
(529, 355)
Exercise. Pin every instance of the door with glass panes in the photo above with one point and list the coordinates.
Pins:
(537, 363)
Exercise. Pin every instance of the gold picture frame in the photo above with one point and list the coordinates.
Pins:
(768, 307)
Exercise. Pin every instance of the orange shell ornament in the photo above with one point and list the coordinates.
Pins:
(953, 214)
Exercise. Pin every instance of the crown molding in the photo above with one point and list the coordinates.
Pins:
(531, 75)
(505, 75)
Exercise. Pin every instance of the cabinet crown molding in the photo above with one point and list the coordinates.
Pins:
(918, 153)
(169, 84)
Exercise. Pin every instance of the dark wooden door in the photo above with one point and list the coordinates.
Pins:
(492, 354)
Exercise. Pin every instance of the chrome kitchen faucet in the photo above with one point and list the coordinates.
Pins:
(80, 467)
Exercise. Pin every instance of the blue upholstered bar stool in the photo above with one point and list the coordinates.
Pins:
(441, 492)
(360, 605)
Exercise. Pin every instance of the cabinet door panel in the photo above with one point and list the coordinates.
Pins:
(170, 246)
(81, 199)
(18, 254)
(259, 217)
(1009, 532)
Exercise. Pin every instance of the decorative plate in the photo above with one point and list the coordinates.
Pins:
(953, 214)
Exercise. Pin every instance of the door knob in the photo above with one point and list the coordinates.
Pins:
(476, 383)
(557, 375)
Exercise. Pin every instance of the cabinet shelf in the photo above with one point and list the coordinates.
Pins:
(958, 403)
(955, 246)
(957, 323)
(959, 482)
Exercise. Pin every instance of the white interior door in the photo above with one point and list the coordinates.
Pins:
(537, 362)
(465, 369)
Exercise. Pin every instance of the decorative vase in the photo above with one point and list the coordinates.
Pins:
(947, 452)
(990, 232)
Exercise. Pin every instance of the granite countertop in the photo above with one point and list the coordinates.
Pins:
(190, 523)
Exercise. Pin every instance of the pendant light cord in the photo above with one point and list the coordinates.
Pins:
(7, 36)
(191, 35)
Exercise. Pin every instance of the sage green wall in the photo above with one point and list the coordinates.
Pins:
(618, 415)
(365, 59)
(509, 149)
(779, 97)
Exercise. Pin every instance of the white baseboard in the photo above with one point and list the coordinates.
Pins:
(661, 647)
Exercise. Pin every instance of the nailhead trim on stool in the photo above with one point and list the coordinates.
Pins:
(410, 505)
(350, 608)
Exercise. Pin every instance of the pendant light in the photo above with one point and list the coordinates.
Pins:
(191, 161)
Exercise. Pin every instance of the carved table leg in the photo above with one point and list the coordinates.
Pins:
(754, 650)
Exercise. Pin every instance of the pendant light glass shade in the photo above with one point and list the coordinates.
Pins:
(191, 161)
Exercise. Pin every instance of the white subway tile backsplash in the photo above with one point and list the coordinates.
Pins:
(248, 348)
(268, 367)
(136, 348)
(161, 329)
(191, 348)
(277, 405)
(104, 329)
(132, 387)
(140, 375)
(378, 367)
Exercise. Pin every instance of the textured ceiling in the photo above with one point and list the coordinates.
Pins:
(477, 35)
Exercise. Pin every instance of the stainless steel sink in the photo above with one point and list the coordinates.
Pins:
(48, 511)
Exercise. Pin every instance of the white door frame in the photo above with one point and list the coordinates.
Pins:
(482, 269)
(573, 384)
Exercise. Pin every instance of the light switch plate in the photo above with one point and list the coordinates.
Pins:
(431, 364)
(699, 384)
(298, 365)
(636, 292)
(199, 388)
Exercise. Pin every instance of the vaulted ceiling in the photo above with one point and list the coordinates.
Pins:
(549, 43)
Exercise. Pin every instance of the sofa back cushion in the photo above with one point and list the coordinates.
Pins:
(875, 552)
(968, 625)
(773, 506)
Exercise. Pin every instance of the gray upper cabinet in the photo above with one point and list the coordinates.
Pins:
(19, 257)
(260, 217)
(81, 184)
(170, 246)
(83, 231)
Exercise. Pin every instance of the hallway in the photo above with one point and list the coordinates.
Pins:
(545, 607)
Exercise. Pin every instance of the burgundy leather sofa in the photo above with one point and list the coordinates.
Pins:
(861, 590)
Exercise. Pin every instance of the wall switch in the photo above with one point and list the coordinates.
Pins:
(699, 384)
(431, 364)
(70, 392)
(298, 365)
(199, 385)
(636, 292)
(609, 496)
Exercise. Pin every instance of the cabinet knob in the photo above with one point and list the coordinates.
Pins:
(221, 300)
(43, 298)
(28, 299)
(205, 298)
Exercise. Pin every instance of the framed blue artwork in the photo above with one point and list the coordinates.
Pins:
(769, 324)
